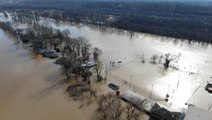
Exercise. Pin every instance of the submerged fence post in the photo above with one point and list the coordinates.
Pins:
(130, 80)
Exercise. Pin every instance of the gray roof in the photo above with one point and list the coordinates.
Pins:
(137, 100)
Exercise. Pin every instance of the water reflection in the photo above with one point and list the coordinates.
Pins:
(184, 84)
(180, 84)
(31, 87)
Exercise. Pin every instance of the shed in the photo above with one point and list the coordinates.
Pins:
(137, 100)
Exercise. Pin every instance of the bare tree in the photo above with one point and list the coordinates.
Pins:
(109, 107)
(85, 49)
(131, 112)
(96, 53)
(98, 70)
(154, 58)
(167, 60)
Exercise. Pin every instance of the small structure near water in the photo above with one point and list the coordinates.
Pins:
(89, 64)
(113, 86)
(154, 110)
(208, 87)
(48, 53)
(140, 102)
(160, 113)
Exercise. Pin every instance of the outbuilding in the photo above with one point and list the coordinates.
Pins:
(137, 100)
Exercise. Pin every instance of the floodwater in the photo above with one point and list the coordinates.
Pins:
(185, 85)
(30, 87)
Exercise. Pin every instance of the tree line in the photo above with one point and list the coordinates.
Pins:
(175, 19)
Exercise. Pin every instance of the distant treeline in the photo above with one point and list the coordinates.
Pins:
(175, 19)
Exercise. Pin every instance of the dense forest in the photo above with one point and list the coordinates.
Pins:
(187, 20)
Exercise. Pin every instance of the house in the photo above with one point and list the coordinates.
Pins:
(154, 110)
(160, 113)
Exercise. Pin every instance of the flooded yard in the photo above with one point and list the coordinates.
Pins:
(184, 84)
(30, 87)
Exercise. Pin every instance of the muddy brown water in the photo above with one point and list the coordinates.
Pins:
(30, 87)
(185, 85)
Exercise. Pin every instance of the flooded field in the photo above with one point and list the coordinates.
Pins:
(30, 87)
(184, 84)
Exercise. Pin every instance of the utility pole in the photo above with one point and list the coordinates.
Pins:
(130, 80)
(209, 107)
(106, 73)
(152, 90)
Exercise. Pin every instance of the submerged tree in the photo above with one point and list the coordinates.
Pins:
(168, 59)
(154, 58)
(132, 113)
(109, 107)
(98, 70)
(96, 53)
